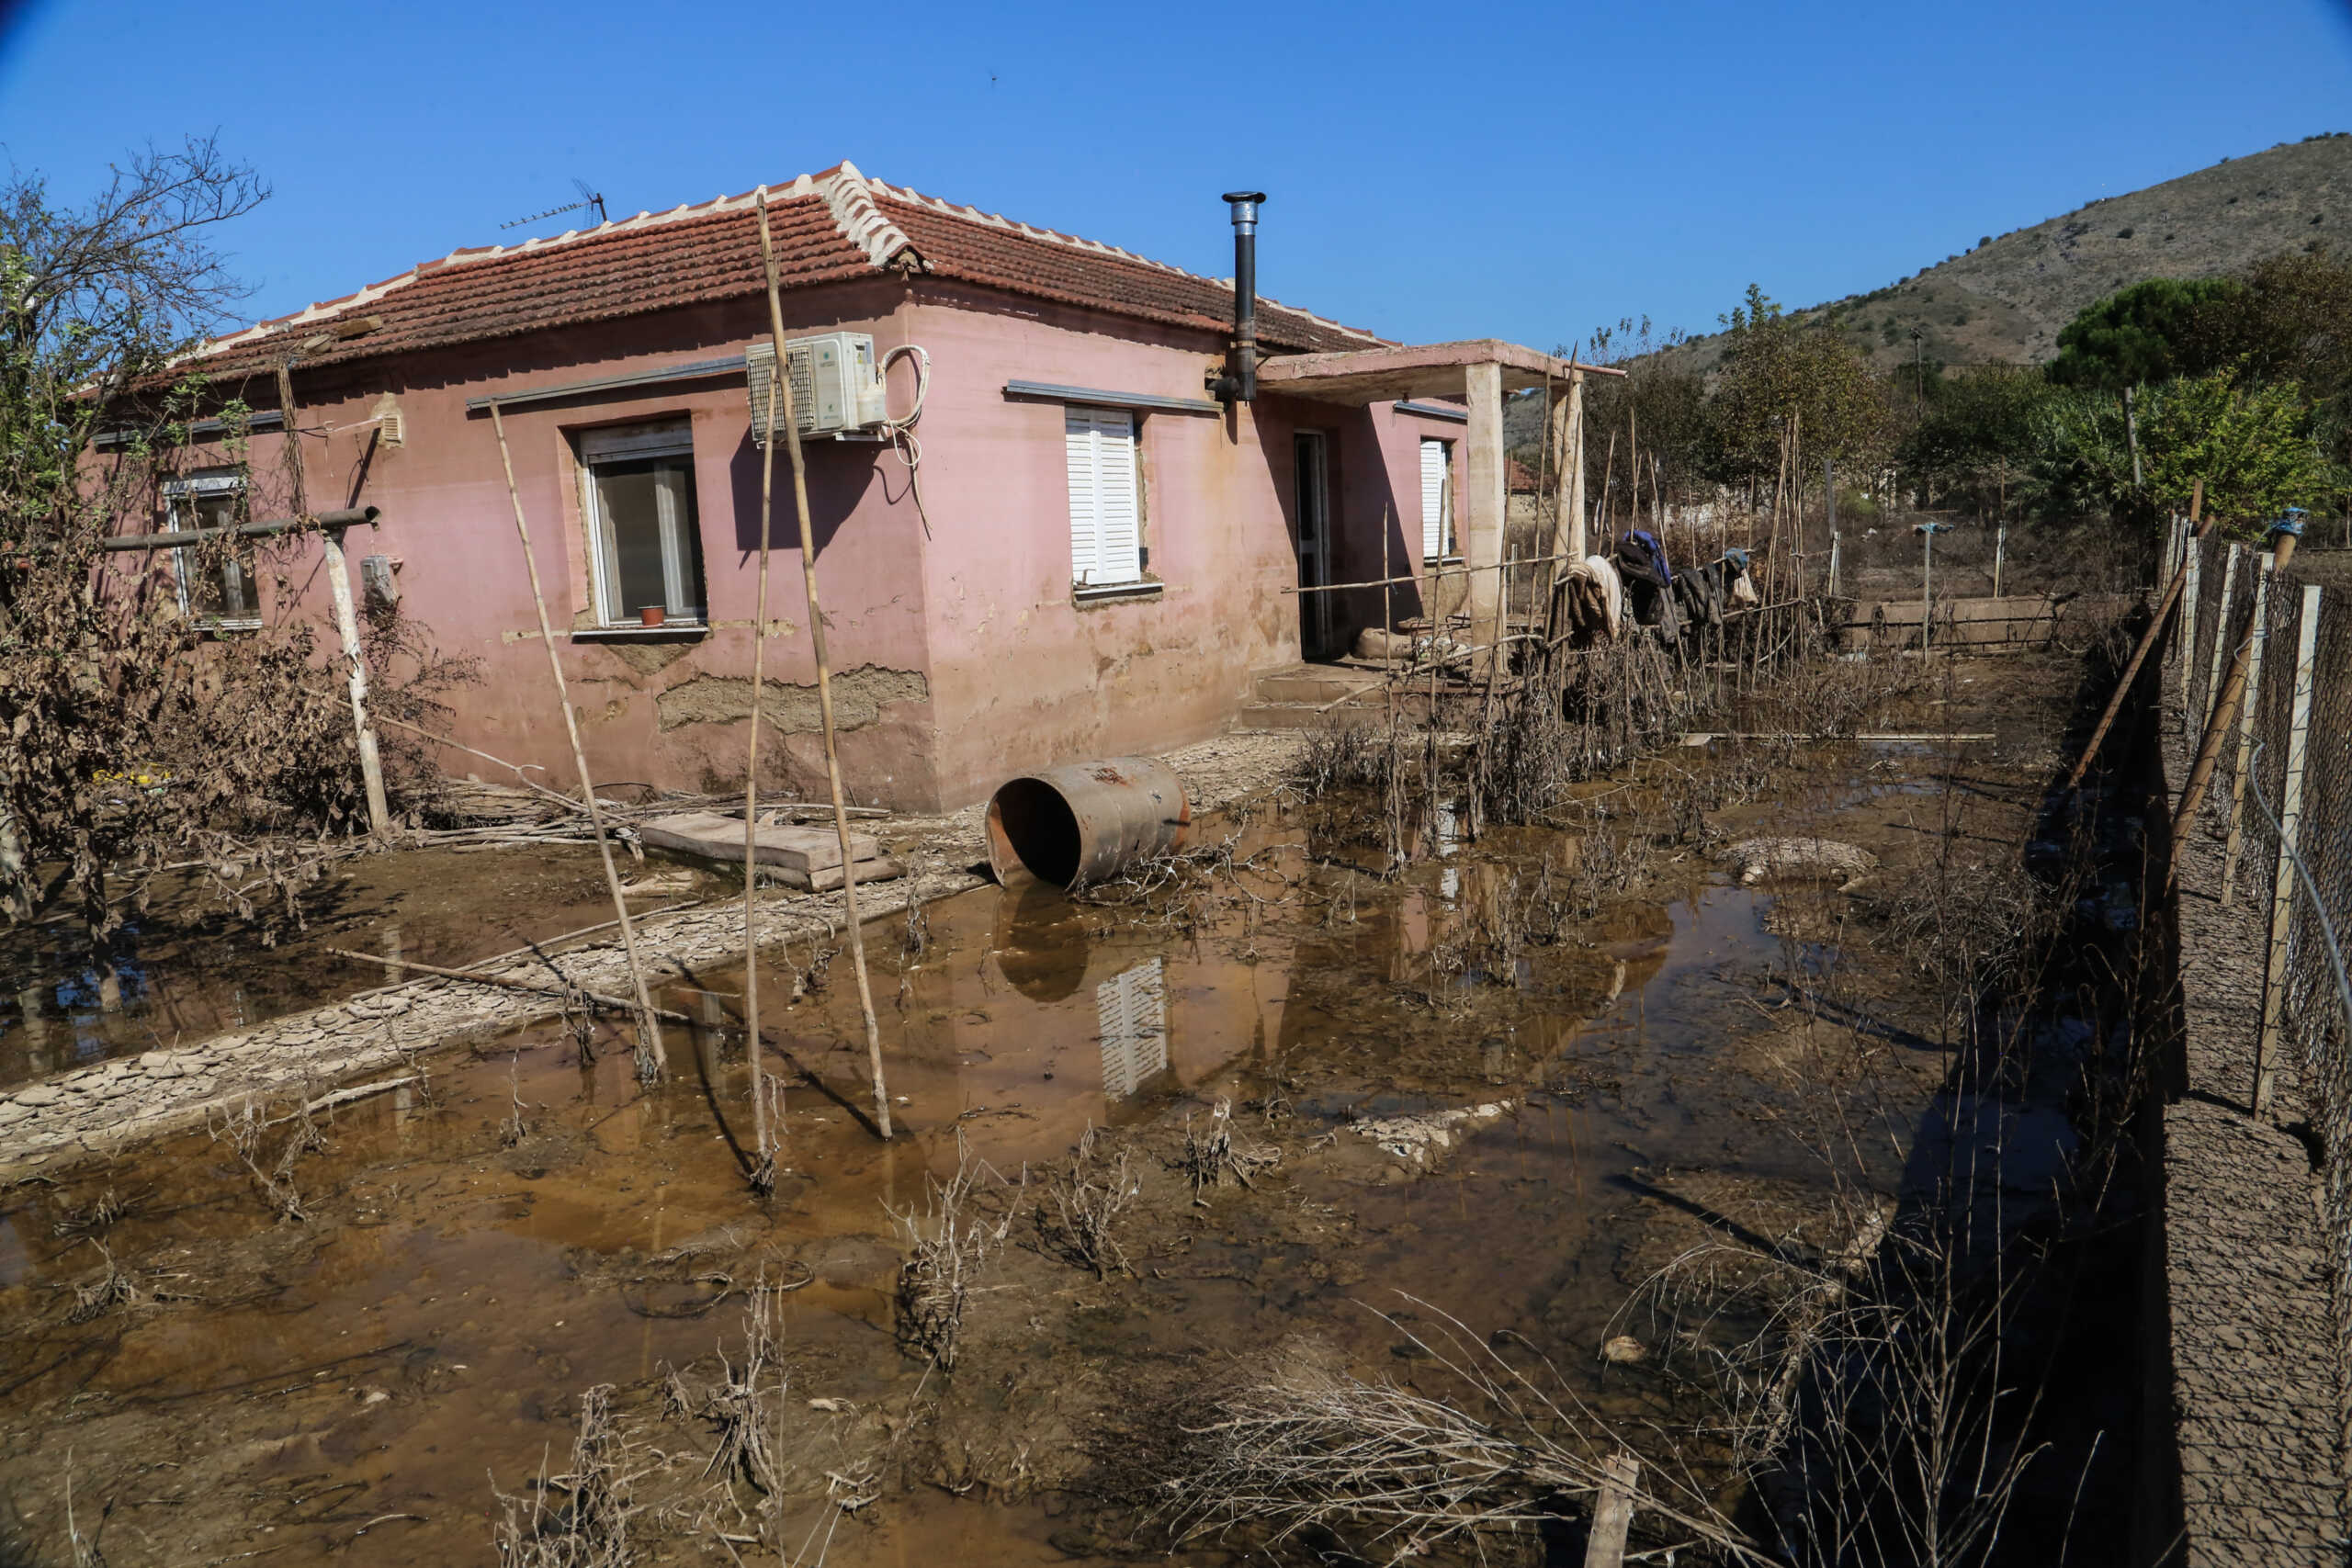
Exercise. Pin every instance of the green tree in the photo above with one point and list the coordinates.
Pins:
(1982, 431)
(2248, 441)
(2144, 334)
(1776, 374)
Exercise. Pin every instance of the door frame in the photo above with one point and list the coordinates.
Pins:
(1311, 542)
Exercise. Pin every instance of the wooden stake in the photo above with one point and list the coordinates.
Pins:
(2192, 585)
(2148, 641)
(2290, 822)
(652, 1061)
(824, 674)
(346, 624)
(763, 1161)
(2259, 635)
(1612, 1513)
(2225, 709)
(2221, 638)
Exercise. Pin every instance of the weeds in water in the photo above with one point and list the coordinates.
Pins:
(1213, 1157)
(590, 1527)
(112, 1291)
(948, 1249)
(735, 1407)
(515, 1128)
(1380, 1473)
(1088, 1196)
(243, 1131)
(103, 1215)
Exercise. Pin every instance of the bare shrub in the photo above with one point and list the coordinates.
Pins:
(1341, 752)
(1088, 1197)
(1213, 1157)
(244, 1132)
(591, 1529)
(736, 1405)
(948, 1249)
(1394, 1472)
(112, 1291)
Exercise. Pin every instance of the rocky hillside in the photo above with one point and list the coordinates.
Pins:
(2009, 297)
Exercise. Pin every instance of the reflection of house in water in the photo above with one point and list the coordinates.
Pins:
(1132, 1010)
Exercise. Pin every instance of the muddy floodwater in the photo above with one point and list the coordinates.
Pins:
(1504, 1086)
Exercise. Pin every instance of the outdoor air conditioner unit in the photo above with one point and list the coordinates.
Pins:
(836, 384)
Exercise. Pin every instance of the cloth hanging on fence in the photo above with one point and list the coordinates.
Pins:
(1649, 586)
(1592, 600)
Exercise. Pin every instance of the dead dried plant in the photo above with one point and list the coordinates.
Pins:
(112, 1291)
(590, 1527)
(516, 1127)
(244, 1132)
(103, 1214)
(737, 1404)
(1387, 1474)
(1213, 1157)
(948, 1249)
(1089, 1195)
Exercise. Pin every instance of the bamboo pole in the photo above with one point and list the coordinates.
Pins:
(652, 1061)
(346, 624)
(824, 675)
(2148, 641)
(763, 1175)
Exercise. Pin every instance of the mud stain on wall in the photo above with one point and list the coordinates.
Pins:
(859, 697)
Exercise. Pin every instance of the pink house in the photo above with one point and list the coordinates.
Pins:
(1078, 549)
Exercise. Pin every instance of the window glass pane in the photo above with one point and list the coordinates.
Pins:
(217, 586)
(628, 506)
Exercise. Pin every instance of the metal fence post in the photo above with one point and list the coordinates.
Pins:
(2220, 635)
(2290, 822)
(2258, 629)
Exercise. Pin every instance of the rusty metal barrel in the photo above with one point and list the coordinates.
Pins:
(1085, 822)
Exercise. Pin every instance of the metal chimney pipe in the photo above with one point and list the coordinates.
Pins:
(1240, 382)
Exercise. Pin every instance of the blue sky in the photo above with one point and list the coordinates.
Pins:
(1435, 171)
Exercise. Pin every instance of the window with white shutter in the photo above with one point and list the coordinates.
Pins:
(1106, 519)
(1437, 499)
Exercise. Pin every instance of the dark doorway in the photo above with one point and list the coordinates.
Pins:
(1312, 517)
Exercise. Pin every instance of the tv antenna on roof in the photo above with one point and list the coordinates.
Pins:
(587, 198)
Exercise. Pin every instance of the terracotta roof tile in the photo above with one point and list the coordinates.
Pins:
(828, 227)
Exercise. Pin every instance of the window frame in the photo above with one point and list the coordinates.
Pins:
(180, 515)
(656, 442)
(1084, 587)
(1449, 534)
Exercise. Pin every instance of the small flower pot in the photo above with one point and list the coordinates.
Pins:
(653, 614)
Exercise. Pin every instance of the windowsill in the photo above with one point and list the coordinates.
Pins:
(1442, 561)
(668, 631)
(1097, 592)
(228, 628)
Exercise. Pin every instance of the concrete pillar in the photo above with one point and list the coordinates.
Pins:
(1483, 550)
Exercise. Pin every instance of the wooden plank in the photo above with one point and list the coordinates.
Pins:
(713, 837)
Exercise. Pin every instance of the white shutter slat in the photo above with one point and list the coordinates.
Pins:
(1118, 552)
(1433, 467)
(1078, 442)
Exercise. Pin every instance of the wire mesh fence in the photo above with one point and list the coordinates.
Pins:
(2281, 799)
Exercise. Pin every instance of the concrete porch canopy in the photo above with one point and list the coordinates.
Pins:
(1478, 370)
